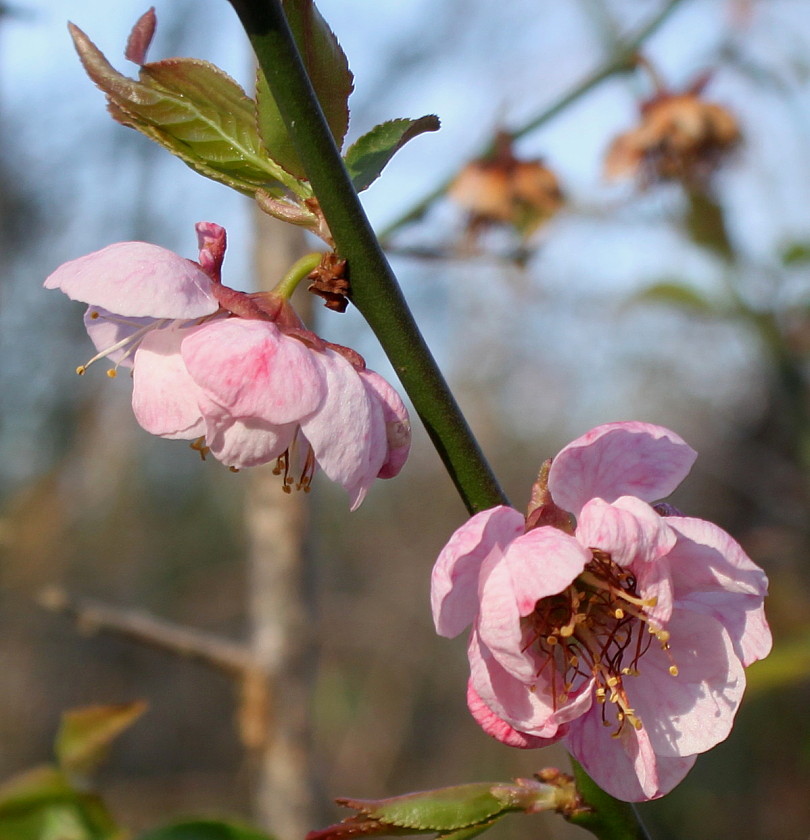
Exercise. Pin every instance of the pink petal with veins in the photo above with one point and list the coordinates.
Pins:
(627, 767)
(136, 279)
(347, 432)
(242, 443)
(164, 396)
(454, 582)
(712, 575)
(254, 371)
(619, 459)
(397, 422)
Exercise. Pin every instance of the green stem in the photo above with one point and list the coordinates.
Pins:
(610, 818)
(623, 58)
(298, 271)
(375, 291)
(377, 295)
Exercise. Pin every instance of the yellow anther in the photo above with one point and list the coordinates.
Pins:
(662, 636)
(199, 446)
(81, 370)
(573, 661)
(600, 694)
(551, 640)
(613, 681)
(673, 669)
(567, 631)
(234, 469)
(618, 613)
(112, 373)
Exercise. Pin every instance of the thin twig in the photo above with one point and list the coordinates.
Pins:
(94, 616)
(623, 58)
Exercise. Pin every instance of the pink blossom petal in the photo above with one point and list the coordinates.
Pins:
(454, 582)
(500, 729)
(242, 443)
(636, 537)
(619, 459)
(537, 564)
(527, 708)
(107, 329)
(626, 767)
(629, 530)
(693, 711)
(713, 575)
(347, 432)
(136, 279)
(164, 397)
(397, 422)
(253, 371)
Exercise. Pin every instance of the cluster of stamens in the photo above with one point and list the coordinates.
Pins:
(598, 628)
(130, 342)
(284, 467)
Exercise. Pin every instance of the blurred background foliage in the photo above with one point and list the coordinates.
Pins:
(637, 299)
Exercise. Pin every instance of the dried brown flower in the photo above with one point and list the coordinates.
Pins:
(680, 137)
(503, 189)
(330, 283)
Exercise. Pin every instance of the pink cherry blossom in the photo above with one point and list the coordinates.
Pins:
(264, 394)
(237, 373)
(624, 634)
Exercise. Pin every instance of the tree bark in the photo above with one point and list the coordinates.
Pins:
(276, 721)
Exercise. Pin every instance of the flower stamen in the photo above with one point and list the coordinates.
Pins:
(130, 341)
(594, 630)
(198, 445)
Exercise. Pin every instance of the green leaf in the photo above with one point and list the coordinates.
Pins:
(40, 804)
(58, 821)
(469, 832)
(368, 156)
(85, 735)
(328, 70)
(677, 295)
(706, 224)
(460, 812)
(796, 253)
(445, 809)
(204, 830)
(32, 788)
(61, 821)
(194, 110)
